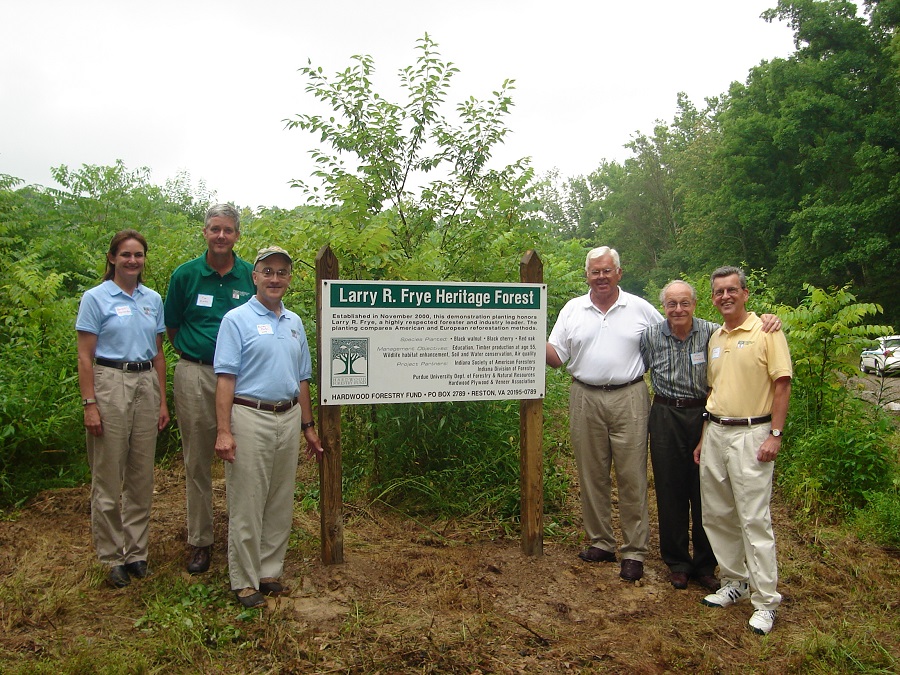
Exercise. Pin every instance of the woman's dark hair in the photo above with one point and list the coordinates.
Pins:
(117, 240)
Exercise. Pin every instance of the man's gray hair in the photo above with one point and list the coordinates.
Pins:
(599, 252)
(727, 271)
(223, 211)
(662, 293)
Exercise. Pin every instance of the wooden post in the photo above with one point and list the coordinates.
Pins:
(531, 441)
(330, 495)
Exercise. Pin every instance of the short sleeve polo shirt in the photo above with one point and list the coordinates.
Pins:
(197, 300)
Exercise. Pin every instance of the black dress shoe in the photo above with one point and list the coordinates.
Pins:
(253, 598)
(272, 587)
(595, 554)
(118, 577)
(199, 562)
(632, 570)
(679, 580)
(138, 569)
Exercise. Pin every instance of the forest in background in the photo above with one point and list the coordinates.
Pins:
(793, 174)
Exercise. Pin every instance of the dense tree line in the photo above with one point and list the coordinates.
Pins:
(795, 171)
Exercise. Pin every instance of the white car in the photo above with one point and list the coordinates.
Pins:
(883, 358)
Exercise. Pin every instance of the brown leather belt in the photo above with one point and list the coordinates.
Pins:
(610, 387)
(738, 421)
(279, 406)
(679, 402)
(129, 366)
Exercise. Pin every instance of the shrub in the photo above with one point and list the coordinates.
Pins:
(834, 468)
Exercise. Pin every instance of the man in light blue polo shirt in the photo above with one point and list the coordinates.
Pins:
(263, 404)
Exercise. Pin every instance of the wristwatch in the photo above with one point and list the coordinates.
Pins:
(88, 401)
(306, 425)
(776, 433)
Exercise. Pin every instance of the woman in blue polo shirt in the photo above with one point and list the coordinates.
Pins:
(122, 376)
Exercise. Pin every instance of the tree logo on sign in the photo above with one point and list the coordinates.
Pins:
(349, 362)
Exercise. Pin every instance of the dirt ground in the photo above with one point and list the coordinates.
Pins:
(436, 597)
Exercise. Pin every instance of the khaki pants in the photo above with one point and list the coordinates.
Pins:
(195, 406)
(260, 485)
(736, 488)
(610, 428)
(121, 461)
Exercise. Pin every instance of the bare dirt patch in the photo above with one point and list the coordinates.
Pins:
(438, 597)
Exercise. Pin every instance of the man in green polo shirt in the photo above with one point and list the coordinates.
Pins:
(201, 292)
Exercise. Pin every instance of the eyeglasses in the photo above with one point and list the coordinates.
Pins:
(602, 273)
(719, 292)
(684, 304)
(268, 273)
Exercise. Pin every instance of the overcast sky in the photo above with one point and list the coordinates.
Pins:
(204, 86)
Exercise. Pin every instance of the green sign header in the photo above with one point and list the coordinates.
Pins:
(404, 295)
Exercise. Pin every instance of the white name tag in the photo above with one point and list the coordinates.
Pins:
(698, 357)
(264, 328)
(715, 352)
(123, 310)
(204, 300)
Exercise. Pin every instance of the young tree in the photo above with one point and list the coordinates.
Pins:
(420, 190)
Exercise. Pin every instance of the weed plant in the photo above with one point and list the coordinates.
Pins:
(450, 459)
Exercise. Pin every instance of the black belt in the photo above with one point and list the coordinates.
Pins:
(679, 402)
(610, 387)
(130, 366)
(279, 406)
(738, 421)
(185, 357)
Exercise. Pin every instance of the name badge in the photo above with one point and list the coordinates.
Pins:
(264, 329)
(698, 357)
(204, 300)
(716, 352)
(123, 310)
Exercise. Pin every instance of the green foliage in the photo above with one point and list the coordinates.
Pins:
(838, 451)
(394, 220)
(824, 330)
(834, 468)
(459, 459)
(52, 248)
(189, 615)
(879, 520)
(794, 170)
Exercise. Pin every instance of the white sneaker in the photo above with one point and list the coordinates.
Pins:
(730, 593)
(762, 620)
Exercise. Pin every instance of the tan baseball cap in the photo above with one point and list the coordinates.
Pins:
(264, 253)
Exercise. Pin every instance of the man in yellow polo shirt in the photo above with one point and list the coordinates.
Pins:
(749, 375)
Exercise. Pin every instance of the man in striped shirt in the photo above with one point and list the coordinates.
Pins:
(675, 353)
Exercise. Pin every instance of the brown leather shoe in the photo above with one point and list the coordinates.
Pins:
(200, 556)
(595, 554)
(679, 580)
(708, 581)
(632, 570)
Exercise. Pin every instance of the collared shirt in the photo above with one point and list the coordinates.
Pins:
(743, 366)
(126, 326)
(268, 353)
(198, 298)
(603, 348)
(677, 367)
